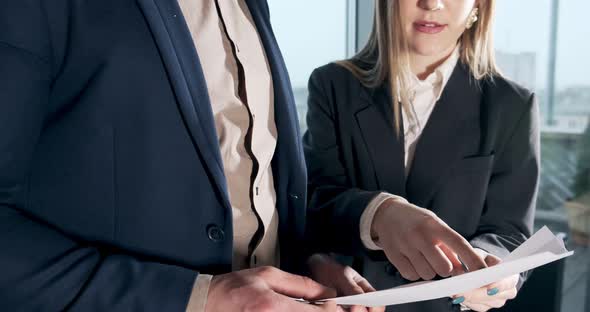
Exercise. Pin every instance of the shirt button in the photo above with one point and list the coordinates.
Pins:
(215, 233)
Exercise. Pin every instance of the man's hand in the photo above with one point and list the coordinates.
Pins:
(344, 279)
(419, 244)
(492, 296)
(266, 289)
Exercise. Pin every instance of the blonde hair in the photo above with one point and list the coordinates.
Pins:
(385, 57)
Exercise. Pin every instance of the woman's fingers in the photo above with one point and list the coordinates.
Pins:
(493, 296)
(485, 306)
(509, 294)
(457, 266)
(492, 260)
(421, 265)
(461, 247)
(505, 285)
(437, 259)
(403, 265)
(477, 306)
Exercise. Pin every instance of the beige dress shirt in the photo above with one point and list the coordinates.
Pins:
(425, 94)
(240, 88)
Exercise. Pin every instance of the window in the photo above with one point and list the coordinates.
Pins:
(310, 34)
(541, 45)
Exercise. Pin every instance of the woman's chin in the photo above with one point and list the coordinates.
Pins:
(428, 49)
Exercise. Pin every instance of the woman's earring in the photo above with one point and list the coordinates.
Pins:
(473, 17)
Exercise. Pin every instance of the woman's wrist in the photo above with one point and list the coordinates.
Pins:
(383, 217)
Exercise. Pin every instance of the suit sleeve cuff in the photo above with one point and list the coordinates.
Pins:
(368, 216)
(198, 299)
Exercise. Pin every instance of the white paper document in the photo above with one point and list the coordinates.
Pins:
(542, 248)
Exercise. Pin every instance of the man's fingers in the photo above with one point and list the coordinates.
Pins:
(403, 265)
(295, 286)
(349, 287)
(365, 285)
(462, 248)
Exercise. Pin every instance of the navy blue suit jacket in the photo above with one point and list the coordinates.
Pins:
(112, 191)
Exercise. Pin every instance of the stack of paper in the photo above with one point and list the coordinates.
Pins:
(542, 248)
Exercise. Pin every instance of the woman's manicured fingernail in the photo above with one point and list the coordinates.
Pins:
(459, 300)
(493, 291)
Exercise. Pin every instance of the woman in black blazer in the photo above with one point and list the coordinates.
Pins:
(421, 154)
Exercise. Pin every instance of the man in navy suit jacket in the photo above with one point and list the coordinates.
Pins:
(112, 192)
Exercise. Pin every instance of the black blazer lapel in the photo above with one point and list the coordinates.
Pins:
(454, 122)
(386, 149)
(182, 63)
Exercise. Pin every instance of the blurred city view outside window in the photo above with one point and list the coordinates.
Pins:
(310, 34)
(540, 44)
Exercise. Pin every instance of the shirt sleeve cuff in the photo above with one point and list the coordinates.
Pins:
(198, 299)
(369, 214)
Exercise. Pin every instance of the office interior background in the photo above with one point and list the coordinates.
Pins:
(541, 44)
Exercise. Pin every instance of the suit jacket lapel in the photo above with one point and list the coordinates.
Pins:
(288, 164)
(289, 145)
(180, 58)
(445, 135)
(375, 121)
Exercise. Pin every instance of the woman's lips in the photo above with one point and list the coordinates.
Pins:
(429, 27)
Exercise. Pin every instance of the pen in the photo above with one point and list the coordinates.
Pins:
(465, 268)
(319, 302)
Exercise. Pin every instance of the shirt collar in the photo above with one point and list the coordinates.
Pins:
(439, 77)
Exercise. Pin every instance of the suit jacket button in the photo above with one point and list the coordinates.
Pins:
(215, 233)
(294, 196)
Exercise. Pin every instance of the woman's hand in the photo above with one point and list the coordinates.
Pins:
(419, 244)
(344, 279)
(492, 296)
